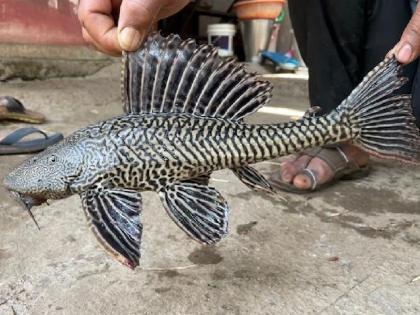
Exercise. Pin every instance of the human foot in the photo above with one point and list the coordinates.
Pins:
(316, 168)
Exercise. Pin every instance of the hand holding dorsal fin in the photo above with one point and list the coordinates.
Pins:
(197, 209)
(114, 218)
(168, 75)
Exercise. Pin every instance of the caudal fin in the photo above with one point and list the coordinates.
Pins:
(382, 121)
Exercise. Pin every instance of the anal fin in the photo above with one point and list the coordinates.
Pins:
(114, 218)
(198, 209)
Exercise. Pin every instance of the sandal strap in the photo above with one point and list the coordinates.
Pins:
(335, 158)
(17, 135)
(310, 173)
(335, 162)
(340, 150)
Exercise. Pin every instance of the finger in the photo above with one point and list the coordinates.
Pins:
(96, 18)
(408, 47)
(95, 45)
(88, 39)
(136, 18)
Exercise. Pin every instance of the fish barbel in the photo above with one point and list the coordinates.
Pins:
(184, 108)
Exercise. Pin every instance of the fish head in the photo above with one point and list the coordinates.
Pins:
(47, 175)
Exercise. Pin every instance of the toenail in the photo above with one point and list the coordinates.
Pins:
(301, 182)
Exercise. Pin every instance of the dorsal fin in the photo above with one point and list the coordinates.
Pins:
(170, 75)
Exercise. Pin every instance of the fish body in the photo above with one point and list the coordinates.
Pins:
(184, 119)
(145, 152)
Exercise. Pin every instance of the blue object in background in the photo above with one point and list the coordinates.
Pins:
(281, 60)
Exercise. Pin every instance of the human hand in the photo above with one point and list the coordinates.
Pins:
(115, 25)
(408, 48)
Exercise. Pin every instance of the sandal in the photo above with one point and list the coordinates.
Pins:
(342, 168)
(12, 143)
(13, 109)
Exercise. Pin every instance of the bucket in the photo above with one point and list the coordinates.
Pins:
(221, 36)
(256, 35)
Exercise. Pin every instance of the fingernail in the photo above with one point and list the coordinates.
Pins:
(405, 52)
(129, 39)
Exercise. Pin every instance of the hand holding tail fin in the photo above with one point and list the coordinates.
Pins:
(381, 119)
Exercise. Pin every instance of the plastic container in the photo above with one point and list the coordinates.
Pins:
(256, 35)
(221, 36)
(258, 9)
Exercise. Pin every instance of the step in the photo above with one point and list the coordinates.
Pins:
(29, 61)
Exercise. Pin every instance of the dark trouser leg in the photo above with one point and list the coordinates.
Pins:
(341, 41)
(330, 35)
(385, 24)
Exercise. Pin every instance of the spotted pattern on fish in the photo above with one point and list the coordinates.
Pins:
(144, 152)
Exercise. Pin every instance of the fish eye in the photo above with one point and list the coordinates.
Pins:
(52, 159)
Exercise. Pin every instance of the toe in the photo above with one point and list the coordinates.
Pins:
(302, 181)
(321, 171)
(302, 162)
(288, 170)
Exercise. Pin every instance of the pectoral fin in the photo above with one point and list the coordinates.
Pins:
(114, 218)
(197, 209)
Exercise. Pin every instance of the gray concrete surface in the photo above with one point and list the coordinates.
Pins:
(352, 249)
(30, 62)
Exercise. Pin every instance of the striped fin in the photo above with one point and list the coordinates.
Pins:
(253, 179)
(382, 122)
(168, 75)
(114, 218)
(197, 209)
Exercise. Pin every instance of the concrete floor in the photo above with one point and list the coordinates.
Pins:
(352, 249)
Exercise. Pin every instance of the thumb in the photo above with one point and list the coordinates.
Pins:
(136, 18)
(408, 47)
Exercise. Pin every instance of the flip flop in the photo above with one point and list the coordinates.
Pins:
(281, 61)
(12, 143)
(13, 109)
(336, 159)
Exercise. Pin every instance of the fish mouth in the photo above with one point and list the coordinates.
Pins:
(27, 202)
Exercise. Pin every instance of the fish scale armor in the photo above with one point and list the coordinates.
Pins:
(146, 151)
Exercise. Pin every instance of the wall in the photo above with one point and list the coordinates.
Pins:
(39, 22)
(41, 39)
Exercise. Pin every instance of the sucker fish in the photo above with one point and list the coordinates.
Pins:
(184, 109)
